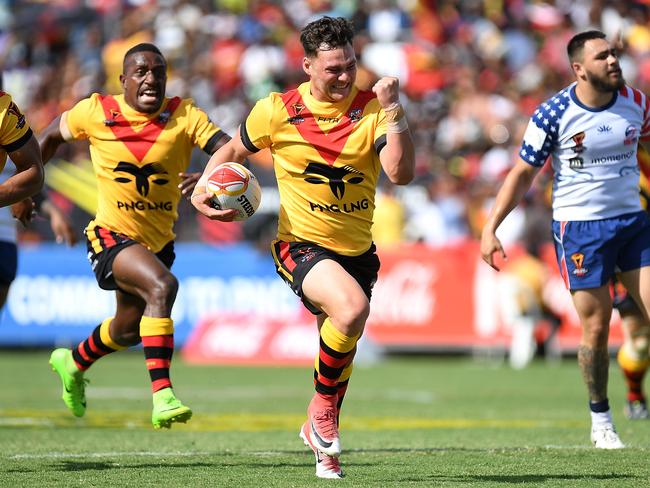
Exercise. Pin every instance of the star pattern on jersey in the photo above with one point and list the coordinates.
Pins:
(546, 118)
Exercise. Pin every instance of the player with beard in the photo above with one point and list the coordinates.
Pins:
(590, 130)
(140, 145)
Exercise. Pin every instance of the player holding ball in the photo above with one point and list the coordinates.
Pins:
(329, 142)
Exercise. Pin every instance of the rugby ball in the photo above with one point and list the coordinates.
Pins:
(234, 187)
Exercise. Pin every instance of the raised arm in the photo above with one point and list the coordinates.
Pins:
(514, 188)
(398, 155)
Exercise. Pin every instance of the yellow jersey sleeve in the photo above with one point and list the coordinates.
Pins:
(200, 129)
(256, 129)
(78, 116)
(14, 130)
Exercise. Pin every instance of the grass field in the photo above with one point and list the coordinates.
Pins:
(406, 422)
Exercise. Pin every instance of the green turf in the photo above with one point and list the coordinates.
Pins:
(406, 422)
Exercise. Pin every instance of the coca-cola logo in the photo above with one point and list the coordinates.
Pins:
(405, 294)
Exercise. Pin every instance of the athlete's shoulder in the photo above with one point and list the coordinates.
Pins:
(558, 101)
(629, 94)
(11, 118)
(92, 100)
(548, 114)
(5, 100)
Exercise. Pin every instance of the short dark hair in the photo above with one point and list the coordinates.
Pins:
(146, 47)
(577, 43)
(326, 33)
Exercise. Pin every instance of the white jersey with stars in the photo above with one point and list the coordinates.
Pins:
(593, 152)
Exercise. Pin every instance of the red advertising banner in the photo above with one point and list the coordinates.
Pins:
(448, 297)
(425, 299)
(253, 339)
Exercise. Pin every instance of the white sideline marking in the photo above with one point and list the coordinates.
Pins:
(63, 455)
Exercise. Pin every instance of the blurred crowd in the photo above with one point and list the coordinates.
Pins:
(471, 72)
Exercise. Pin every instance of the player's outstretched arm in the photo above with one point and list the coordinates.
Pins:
(28, 179)
(515, 186)
(398, 156)
(232, 151)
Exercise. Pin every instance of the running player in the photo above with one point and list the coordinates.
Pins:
(591, 130)
(329, 141)
(140, 144)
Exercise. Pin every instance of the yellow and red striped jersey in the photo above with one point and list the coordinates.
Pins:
(137, 158)
(14, 130)
(326, 160)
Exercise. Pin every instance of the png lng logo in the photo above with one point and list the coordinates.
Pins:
(141, 175)
(336, 178)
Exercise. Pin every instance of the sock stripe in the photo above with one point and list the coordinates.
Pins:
(91, 349)
(81, 349)
(158, 352)
(329, 372)
(158, 341)
(98, 344)
(157, 385)
(332, 361)
(331, 352)
(158, 363)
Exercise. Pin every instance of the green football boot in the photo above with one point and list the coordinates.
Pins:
(167, 409)
(74, 384)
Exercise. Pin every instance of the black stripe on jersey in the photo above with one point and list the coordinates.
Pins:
(14, 146)
(380, 143)
(245, 138)
(212, 144)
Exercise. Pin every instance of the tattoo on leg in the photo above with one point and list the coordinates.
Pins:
(594, 364)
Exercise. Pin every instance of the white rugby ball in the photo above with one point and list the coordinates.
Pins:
(235, 187)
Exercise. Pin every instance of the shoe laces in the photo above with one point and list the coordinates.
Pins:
(326, 423)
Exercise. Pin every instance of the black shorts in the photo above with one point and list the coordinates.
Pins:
(110, 244)
(293, 260)
(8, 262)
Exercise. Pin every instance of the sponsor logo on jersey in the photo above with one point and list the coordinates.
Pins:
(613, 158)
(355, 115)
(328, 119)
(113, 119)
(142, 176)
(631, 136)
(604, 129)
(579, 138)
(576, 162)
(296, 118)
(578, 259)
(336, 178)
(15, 111)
